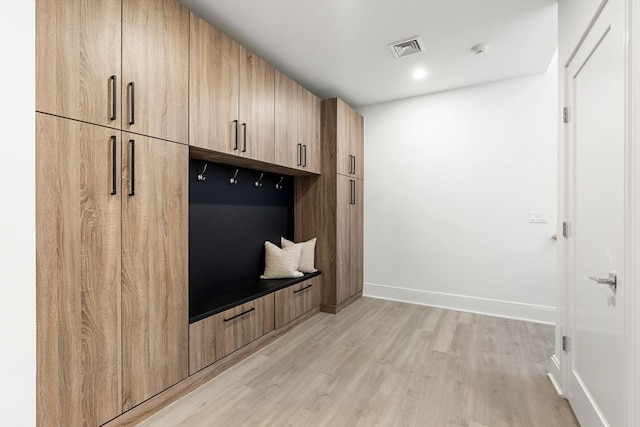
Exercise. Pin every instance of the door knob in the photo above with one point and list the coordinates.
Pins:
(612, 281)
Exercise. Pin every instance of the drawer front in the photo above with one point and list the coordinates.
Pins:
(213, 338)
(296, 300)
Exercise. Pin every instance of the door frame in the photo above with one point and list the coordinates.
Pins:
(560, 366)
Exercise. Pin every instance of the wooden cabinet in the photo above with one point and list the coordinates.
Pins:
(155, 63)
(297, 126)
(296, 300)
(349, 137)
(217, 336)
(331, 207)
(78, 45)
(231, 96)
(155, 306)
(121, 64)
(78, 251)
(111, 270)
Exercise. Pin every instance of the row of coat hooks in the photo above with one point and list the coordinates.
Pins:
(234, 179)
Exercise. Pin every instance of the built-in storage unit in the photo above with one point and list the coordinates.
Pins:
(122, 64)
(111, 269)
(331, 206)
(294, 301)
(231, 96)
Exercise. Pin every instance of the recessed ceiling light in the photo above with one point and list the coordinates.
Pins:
(419, 73)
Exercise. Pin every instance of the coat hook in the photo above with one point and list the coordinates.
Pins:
(279, 185)
(233, 179)
(259, 180)
(201, 177)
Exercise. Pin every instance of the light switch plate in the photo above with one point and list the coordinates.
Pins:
(539, 217)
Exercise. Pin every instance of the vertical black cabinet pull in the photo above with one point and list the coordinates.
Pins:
(132, 145)
(244, 142)
(114, 171)
(114, 85)
(235, 146)
(132, 103)
(299, 154)
(304, 163)
(354, 165)
(352, 201)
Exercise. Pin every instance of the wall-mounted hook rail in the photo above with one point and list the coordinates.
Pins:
(279, 185)
(201, 177)
(259, 180)
(233, 179)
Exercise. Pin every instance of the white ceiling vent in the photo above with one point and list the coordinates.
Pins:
(407, 47)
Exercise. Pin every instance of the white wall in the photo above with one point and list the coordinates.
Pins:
(449, 181)
(17, 213)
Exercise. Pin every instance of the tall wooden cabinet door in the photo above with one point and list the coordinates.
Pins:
(257, 86)
(78, 60)
(213, 89)
(155, 64)
(357, 144)
(288, 151)
(154, 266)
(344, 250)
(344, 162)
(357, 230)
(309, 129)
(77, 272)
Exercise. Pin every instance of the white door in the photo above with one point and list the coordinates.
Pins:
(595, 81)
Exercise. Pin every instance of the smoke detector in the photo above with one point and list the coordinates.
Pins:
(407, 47)
(479, 49)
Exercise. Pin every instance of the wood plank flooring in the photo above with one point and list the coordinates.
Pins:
(385, 363)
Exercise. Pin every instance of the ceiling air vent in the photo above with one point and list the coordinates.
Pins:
(407, 47)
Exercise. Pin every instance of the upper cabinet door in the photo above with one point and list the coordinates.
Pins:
(78, 60)
(155, 63)
(357, 144)
(349, 141)
(309, 129)
(257, 93)
(213, 89)
(288, 143)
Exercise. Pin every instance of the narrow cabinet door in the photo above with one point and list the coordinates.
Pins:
(257, 86)
(309, 129)
(357, 144)
(289, 146)
(344, 250)
(155, 64)
(78, 250)
(213, 89)
(78, 60)
(154, 266)
(357, 235)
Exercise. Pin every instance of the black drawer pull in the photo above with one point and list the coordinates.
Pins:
(114, 94)
(114, 165)
(302, 289)
(240, 314)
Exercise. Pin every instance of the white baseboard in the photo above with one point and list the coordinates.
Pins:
(491, 307)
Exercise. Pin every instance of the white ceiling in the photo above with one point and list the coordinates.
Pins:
(340, 47)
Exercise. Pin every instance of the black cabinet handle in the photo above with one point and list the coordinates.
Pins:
(240, 314)
(114, 80)
(352, 200)
(114, 172)
(244, 142)
(299, 154)
(302, 289)
(304, 164)
(354, 165)
(132, 103)
(132, 145)
(235, 146)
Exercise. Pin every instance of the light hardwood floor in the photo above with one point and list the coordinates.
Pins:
(384, 363)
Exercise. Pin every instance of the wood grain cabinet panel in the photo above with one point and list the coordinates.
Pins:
(296, 300)
(219, 335)
(78, 246)
(78, 45)
(213, 89)
(155, 60)
(155, 312)
(309, 129)
(349, 140)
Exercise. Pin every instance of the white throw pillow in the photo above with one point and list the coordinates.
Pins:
(281, 263)
(307, 259)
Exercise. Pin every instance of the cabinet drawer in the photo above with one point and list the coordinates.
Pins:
(213, 338)
(296, 300)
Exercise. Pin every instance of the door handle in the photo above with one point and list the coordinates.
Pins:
(612, 281)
